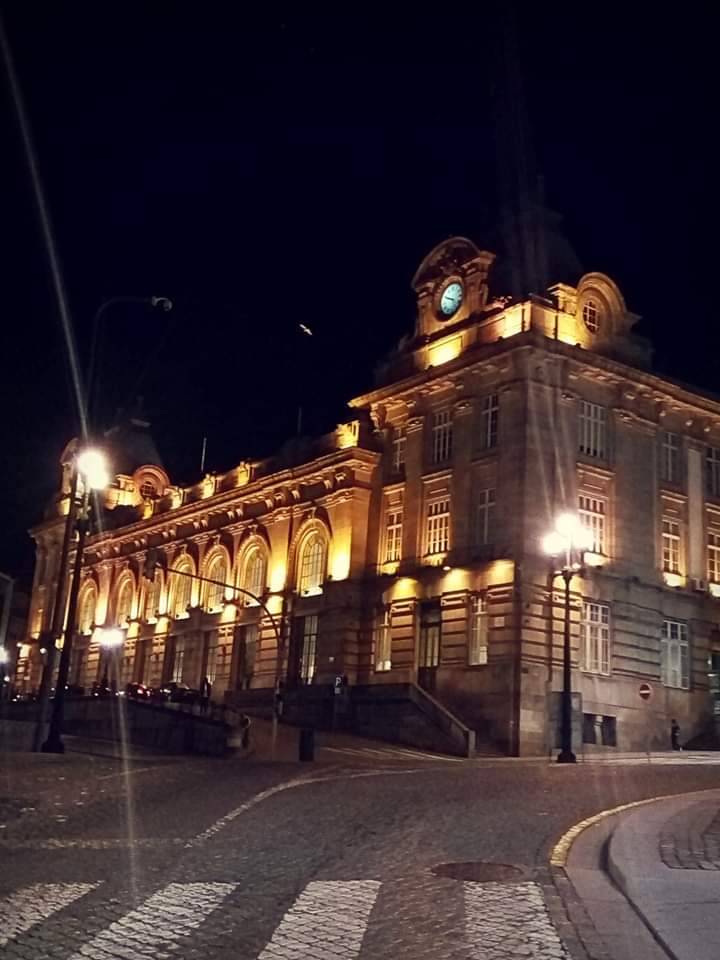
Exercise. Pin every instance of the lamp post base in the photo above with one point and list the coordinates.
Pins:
(566, 756)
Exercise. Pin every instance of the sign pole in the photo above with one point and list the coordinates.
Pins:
(645, 693)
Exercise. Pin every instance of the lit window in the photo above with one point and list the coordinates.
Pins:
(712, 467)
(178, 660)
(438, 526)
(152, 598)
(255, 573)
(593, 430)
(308, 648)
(591, 511)
(87, 610)
(218, 572)
(591, 315)
(182, 589)
(670, 457)
(595, 638)
(383, 642)
(671, 546)
(212, 655)
(489, 411)
(714, 557)
(312, 564)
(393, 535)
(148, 489)
(675, 655)
(478, 638)
(398, 449)
(441, 436)
(124, 602)
(484, 517)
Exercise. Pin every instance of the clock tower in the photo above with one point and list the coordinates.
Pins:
(451, 285)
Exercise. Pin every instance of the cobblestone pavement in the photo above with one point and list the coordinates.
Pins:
(691, 839)
(222, 860)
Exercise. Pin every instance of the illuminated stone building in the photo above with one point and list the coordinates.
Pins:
(402, 551)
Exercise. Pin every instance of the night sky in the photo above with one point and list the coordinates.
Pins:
(296, 168)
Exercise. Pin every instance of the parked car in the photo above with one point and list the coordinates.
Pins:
(137, 691)
(175, 693)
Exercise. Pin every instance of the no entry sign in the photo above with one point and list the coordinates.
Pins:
(645, 691)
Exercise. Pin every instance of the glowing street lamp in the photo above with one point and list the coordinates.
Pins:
(567, 544)
(90, 471)
(111, 640)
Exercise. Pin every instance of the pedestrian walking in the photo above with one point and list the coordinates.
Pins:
(675, 735)
(205, 694)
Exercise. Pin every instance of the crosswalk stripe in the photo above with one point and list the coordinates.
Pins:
(508, 920)
(164, 918)
(31, 905)
(328, 919)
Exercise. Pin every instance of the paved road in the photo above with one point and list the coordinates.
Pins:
(258, 861)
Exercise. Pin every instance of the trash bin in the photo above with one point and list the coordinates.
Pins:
(307, 744)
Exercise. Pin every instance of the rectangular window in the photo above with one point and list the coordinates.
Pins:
(178, 660)
(489, 411)
(671, 546)
(383, 642)
(478, 638)
(714, 557)
(437, 534)
(592, 511)
(309, 649)
(670, 457)
(595, 637)
(441, 436)
(398, 449)
(712, 471)
(212, 655)
(393, 535)
(675, 655)
(593, 430)
(484, 517)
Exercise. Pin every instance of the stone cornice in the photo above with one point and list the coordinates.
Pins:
(332, 468)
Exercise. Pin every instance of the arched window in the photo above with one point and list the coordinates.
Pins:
(148, 489)
(86, 616)
(591, 315)
(254, 573)
(313, 556)
(182, 588)
(152, 597)
(123, 608)
(217, 570)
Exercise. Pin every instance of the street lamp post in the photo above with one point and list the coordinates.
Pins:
(4, 677)
(567, 543)
(89, 469)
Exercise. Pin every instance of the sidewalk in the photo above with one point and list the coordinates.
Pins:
(665, 858)
(649, 880)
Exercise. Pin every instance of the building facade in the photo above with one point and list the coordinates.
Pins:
(402, 552)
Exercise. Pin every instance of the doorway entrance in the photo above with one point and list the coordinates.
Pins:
(429, 644)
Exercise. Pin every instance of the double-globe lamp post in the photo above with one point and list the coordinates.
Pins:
(89, 472)
(566, 545)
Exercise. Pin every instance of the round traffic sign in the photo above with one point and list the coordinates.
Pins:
(645, 691)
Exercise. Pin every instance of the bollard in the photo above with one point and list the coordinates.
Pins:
(307, 744)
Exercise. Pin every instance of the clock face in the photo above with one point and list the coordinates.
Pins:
(451, 298)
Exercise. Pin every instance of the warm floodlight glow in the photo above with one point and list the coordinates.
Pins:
(110, 638)
(554, 544)
(3, 655)
(92, 464)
